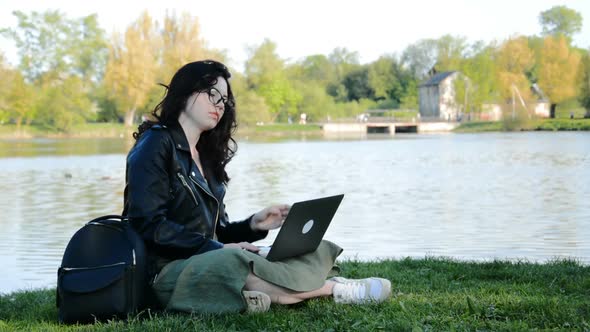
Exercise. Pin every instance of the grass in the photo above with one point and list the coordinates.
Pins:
(279, 131)
(435, 294)
(112, 130)
(85, 130)
(559, 124)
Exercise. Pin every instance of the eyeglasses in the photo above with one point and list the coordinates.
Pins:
(215, 97)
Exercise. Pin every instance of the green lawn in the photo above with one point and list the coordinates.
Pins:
(560, 124)
(428, 294)
(86, 130)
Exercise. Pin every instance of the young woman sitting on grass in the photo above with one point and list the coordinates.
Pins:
(198, 260)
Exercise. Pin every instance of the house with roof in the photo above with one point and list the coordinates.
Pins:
(535, 103)
(437, 97)
(437, 100)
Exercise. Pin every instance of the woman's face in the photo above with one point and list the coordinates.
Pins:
(205, 109)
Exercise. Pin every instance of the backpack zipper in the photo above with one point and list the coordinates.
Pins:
(93, 267)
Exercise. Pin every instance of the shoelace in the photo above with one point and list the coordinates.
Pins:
(254, 299)
(354, 290)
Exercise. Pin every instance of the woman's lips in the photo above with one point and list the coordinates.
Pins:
(214, 115)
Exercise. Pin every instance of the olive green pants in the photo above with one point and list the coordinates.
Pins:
(213, 282)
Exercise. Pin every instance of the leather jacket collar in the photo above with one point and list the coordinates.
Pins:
(207, 183)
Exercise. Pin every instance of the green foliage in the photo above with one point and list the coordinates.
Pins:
(131, 70)
(250, 107)
(266, 75)
(478, 83)
(357, 84)
(563, 125)
(558, 69)
(60, 107)
(560, 20)
(420, 57)
(69, 73)
(434, 294)
(450, 52)
(51, 45)
(528, 125)
(584, 96)
(61, 60)
(317, 68)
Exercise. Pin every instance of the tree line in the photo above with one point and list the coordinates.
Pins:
(71, 72)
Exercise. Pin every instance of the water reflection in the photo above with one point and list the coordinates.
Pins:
(516, 195)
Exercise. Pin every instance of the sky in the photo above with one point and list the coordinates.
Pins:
(306, 27)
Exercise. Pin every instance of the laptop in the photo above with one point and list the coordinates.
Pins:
(303, 229)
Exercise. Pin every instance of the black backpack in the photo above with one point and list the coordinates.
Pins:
(103, 273)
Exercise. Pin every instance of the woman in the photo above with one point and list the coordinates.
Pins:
(198, 260)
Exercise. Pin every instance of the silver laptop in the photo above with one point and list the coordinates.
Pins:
(303, 228)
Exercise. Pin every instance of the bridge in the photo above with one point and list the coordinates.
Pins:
(387, 127)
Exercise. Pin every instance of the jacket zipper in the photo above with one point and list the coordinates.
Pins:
(216, 211)
(185, 184)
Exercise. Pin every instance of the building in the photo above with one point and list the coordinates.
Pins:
(437, 97)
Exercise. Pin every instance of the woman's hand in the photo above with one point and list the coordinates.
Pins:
(270, 218)
(242, 245)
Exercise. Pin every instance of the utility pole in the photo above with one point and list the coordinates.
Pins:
(513, 106)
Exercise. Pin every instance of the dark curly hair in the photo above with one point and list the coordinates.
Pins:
(217, 144)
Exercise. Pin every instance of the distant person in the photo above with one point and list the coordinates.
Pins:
(175, 184)
(303, 118)
(571, 114)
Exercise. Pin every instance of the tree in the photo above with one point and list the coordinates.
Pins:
(343, 63)
(315, 102)
(16, 96)
(357, 84)
(479, 83)
(450, 52)
(318, 68)
(560, 20)
(383, 78)
(420, 57)
(514, 58)
(59, 57)
(265, 72)
(132, 66)
(558, 69)
(62, 106)
(182, 43)
(445, 53)
(584, 96)
(250, 107)
(52, 46)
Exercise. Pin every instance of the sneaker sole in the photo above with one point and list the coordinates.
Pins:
(256, 301)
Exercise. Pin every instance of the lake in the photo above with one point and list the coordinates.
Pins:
(466, 196)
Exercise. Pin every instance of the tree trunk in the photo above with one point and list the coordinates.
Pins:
(129, 117)
(552, 111)
(587, 114)
(19, 121)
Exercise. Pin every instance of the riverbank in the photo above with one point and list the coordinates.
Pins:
(117, 130)
(533, 125)
(282, 131)
(428, 294)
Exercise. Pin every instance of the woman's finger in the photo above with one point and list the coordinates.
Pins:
(249, 246)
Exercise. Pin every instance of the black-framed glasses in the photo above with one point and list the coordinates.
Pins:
(215, 97)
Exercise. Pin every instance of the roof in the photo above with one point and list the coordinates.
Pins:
(437, 78)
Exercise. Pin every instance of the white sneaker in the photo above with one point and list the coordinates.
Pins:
(256, 301)
(358, 291)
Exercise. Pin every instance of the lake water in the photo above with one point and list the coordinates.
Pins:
(467, 196)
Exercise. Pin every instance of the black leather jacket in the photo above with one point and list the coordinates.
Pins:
(168, 202)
